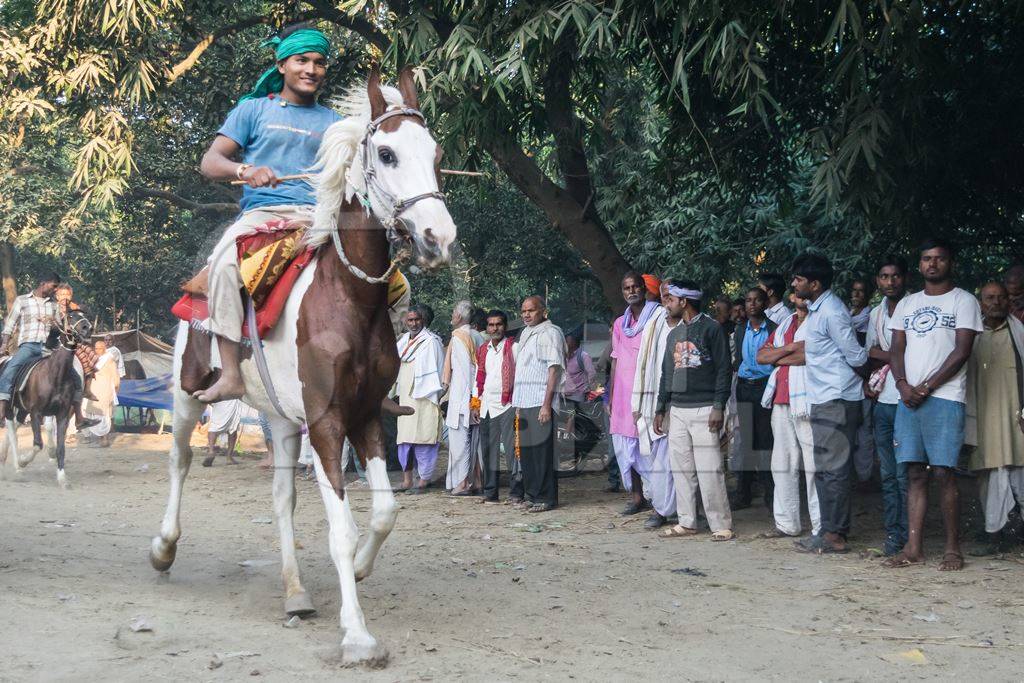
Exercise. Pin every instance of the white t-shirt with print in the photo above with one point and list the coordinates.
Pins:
(930, 323)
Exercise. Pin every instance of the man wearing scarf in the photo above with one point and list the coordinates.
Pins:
(654, 446)
(419, 387)
(275, 130)
(626, 340)
(459, 377)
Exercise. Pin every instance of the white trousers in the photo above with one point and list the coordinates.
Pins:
(226, 309)
(697, 461)
(793, 449)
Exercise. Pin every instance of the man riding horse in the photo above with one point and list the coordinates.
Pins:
(276, 129)
(33, 315)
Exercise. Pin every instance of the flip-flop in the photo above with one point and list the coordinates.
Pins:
(674, 532)
(959, 556)
(723, 535)
(900, 561)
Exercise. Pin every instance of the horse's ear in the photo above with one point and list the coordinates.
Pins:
(378, 105)
(407, 86)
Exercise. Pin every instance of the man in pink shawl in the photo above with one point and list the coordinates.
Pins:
(626, 337)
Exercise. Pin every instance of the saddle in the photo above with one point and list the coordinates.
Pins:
(270, 260)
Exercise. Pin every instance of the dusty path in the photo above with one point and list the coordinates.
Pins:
(463, 590)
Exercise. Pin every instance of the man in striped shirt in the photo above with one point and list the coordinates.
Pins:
(540, 362)
(32, 314)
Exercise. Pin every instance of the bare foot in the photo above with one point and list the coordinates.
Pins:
(224, 389)
(902, 559)
(952, 561)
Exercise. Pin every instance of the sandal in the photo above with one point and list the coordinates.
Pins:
(678, 531)
(900, 561)
(951, 566)
(723, 535)
(773, 533)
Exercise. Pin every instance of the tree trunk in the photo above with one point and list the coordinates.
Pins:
(588, 236)
(7, 274)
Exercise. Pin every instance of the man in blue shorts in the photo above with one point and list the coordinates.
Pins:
(276, 131)
(932, 336)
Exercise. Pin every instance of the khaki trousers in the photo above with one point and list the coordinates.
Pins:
(697, 461)
(226, 309)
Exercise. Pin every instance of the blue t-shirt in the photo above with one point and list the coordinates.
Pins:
(284, 138)
(752, 342)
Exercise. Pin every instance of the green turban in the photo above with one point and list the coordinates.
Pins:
(303, 40)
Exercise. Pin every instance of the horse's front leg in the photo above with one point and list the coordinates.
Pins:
(164, 547)
(370, 443)
(9, 446)
(36, 422)
(327, 438)
(286, 453)
(62, 432)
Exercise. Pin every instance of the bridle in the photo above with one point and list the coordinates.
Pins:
(68, 334)
(396, 206)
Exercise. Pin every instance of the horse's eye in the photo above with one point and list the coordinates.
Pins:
(387, 157)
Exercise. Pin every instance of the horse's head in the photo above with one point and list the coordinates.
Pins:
(401, 167)
(75, 329)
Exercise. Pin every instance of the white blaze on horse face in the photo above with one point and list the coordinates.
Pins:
(405, 169)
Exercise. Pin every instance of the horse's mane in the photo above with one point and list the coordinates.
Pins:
(338, 154)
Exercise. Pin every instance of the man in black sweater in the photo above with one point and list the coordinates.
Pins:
(694, 389)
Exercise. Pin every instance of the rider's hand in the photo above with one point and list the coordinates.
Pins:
(259, 176)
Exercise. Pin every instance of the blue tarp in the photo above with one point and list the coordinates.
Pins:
(154, 392)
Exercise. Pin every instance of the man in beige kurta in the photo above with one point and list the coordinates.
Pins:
(994, 418)
(419, 387)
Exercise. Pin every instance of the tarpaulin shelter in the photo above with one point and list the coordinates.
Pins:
(145, 356)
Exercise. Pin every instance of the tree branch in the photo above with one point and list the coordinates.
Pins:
(209, 208)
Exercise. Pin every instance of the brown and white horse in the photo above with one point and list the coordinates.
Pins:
(332, 355)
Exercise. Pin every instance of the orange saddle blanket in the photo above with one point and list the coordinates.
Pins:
(270, 260)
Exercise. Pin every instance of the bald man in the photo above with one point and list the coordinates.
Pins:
(540, 362)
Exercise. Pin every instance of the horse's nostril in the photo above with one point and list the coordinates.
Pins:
(428, 236)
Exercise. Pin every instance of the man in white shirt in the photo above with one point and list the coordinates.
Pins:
(891, 281)
(540, 361)
(933, 333)
(495, 376)
(459, 376)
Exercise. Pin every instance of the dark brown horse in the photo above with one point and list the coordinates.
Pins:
(49, 392)
(332, 355)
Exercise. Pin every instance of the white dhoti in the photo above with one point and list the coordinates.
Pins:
(225, 416)
(658, 477)
(627, 454)
(226, 309)
(104, 388)
(1002, 489)
(793, 449)
(460, 455)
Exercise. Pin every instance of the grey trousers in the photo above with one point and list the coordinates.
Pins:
(834, 427)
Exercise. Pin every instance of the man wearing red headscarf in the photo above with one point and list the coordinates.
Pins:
(653, 286)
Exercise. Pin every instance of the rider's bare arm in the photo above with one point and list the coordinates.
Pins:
(219, 163)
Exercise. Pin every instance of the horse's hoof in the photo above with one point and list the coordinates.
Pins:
(363, 572)
(299, 605)
(365, 652)
(62, 480)
(161, 555)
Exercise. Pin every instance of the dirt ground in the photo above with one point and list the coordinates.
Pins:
(464, 590)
